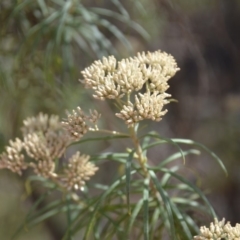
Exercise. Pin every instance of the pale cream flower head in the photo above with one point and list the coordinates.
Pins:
(46, 146)
(76, 123)
(78, 171)
(219, 230)
(40, 123)
(45, 140)
(129, 76)
(147, 106)
(158, 67)
(99, 77)
(12, 158)
(114, 79)
(44, 137)
(44, 168)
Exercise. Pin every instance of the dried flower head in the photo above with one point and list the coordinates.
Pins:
(46, 146)
(219, 230)
(45, 140)
(75, 124)
(128, 114)
(147, 106)
(40, 123)
(12, 158)
(158, 67)
(113, 79)
(44, 168)
(129, 76)
(99, 77)
(79, 170)
(94, 116)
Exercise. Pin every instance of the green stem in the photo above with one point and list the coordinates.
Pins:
(142, 161)
(141, 158)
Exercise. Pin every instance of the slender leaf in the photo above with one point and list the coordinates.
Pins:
(146, 208)
(214, 156)
(121, 8)
(134, 214)
(128, 179)
(195, 189)
(166, 202)
(181, 221)
(178, 155)
(105, 23)
(101, 199)
(103, 138)
(119, 17)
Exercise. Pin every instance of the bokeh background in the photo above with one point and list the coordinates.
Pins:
(45, 44)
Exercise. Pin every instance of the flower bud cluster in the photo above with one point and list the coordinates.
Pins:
(114, 79)
(219, 230)
(45, 140)
(79, 170)
(76, 125)
(12, 158)
(44, 137)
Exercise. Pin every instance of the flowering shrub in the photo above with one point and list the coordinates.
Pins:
(139, 203)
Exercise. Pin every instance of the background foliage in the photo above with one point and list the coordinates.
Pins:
(44, 45)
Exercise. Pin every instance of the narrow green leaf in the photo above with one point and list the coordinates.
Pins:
(120, 17)
(103, 138)
(189, 202)
(80, 40)
(214, 156)
(155, 219)
(63, 16)
(81, 219)
(128, 179)
(134, 214)
(105, 23)
(181, 221)
(195, 189)
(120, 157)
(121, 8)
(20, 7)
(146, 208)
(166, 202)
(162, 140)
(121, 232)
(43, 7)
(178, 155)
(99, 202)
(87, 33)
(69, 219)
(192, 223)
(44, 23)
(166, 176)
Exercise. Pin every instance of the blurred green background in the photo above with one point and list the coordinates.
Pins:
(44, 44)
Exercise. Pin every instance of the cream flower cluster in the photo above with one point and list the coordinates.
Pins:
(44, 137)
(112, 79)
(76, 123)
(12, 158)
(218, 230)
(45, 140)
(79, 170)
